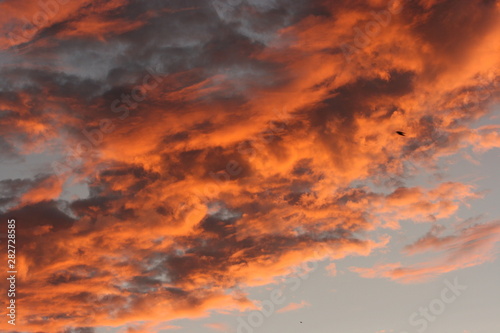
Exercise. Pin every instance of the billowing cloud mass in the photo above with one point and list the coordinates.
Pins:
(223, 143)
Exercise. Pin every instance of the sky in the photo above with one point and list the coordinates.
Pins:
(234, 165)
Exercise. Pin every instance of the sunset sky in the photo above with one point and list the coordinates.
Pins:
(233, 165)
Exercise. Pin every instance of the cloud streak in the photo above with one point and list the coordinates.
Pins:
(253, 153)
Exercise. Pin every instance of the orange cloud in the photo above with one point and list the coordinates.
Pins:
(293, 307)
(468, 247)
(332, 269)
(220, 327)
(48, 189)
(253, 150)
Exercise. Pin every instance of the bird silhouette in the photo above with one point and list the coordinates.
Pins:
(401, 133)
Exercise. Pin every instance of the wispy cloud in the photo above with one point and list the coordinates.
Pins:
(293, 307)
(248, 156)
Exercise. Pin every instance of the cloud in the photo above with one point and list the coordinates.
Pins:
(331, 269)
(48, 189)
(469, 246)
(220, 327)
(221, 149)
(293, 307)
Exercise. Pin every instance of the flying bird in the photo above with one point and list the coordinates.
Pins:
(401, 133)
